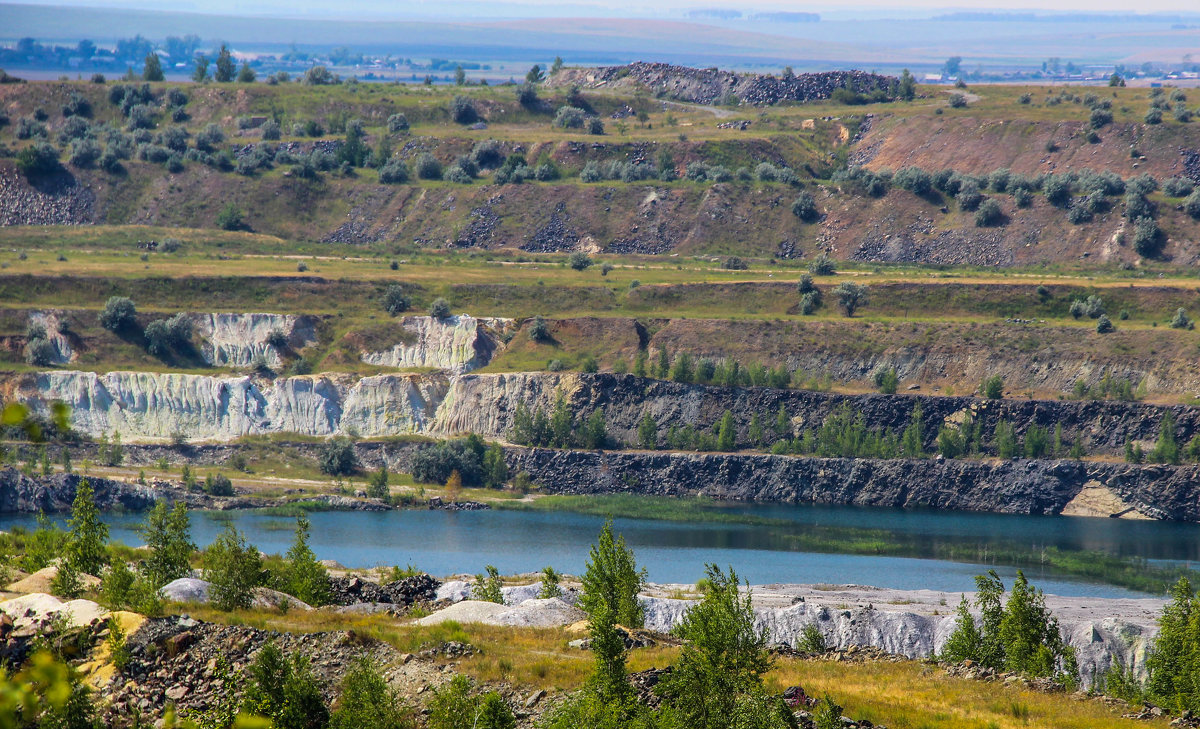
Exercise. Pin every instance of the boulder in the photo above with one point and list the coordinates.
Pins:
(40, 581)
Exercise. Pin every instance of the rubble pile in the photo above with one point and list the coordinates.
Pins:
(714, 86)
(408, 591)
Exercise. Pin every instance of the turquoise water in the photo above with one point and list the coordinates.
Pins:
(444, 543)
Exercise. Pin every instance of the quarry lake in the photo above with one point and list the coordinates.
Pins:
(444, 543)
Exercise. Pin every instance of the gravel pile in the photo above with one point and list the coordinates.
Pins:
(56, 200)
(405, 592)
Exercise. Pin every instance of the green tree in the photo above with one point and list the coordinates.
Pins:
(912, 442)
(993, 387)
(234, 568)
(1004, 440)
(119, 314)
(647, 432)
(1030, 634)
(966, 642)
(200, 72)
(1173, 665)
(723, 660)
(378, 488)
(594, 433)
(225, 66)
(488, 589)
(535, 75)
(495, 468)
(1166, 450)
(681, 371)
(86, 533)
(337, 457)
(887, 380)
(612, 580)
(727, 433)
(304, 576)
(664, 364)
(169, 541)
(550, 580)
(246, 74)
(907, 89)
(367, 701)
(284, 691)
(152, 70)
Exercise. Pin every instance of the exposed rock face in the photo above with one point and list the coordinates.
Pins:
(55, 493)
(455, 344)
(63, 351)
(919, 634)
(237, 340)
(151, 406)
(1012, 487)
(710, 85)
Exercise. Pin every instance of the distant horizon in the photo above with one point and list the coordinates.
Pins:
(660, 9)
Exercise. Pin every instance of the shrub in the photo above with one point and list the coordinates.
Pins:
(337, 457)
(233, 566)
(822, 265)
(805, 207)
(119, 314)
(591, 173)
(218, 485)
(394, 300)
(208, 138)
(957, 101)
(913, 179)
(989, 214)
(993, 387)
(230, 218)
(488, 589)
(397, 123)
(439, 309)
(1022, 197)
(428, 167)
(463, 111)
(887, 380)
(454, 707)
(1057, 189)
(1180, 320)
(734, 263)
(850, 296)
(540, 332)
(394, 172)
(570, 117)
(40, 352)
(457, 175)
(319, 76)
(284, 691)
(1178, 187)
(271, 130)
(168, 538)
(595, 126)
(579, 261)
(1147, 237)
(435, 464)
(1101, 118)
(1153, 115)
(303, 576)
(366, 700)
(1104, 325)
(37, 160)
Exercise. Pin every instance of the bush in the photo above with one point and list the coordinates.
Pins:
(570, 117)
(540, 332)
(1057, 189)
(463, 111)
(822, 265)
(957, 101)
(913, 179)
(989, 214)
(337, 457)
(40, 352)
(397, 123)
(887, 380)
(850, 296)
(394, 300)
(366, 700)
(319, 76)
(1101, 118)
(1147, 237)
(454, 707)
(233, 566)
(434, 464)
(595, 126)
(218, 485)
(439, 309)
(1153, 116)
(1104, 325)
(1180, 320)
(394, 172)
(428, 167)
(579, 261)
(303, 576)
(805, 207)
(457, 175)
(1178, 187)
(38, 160)
(119, 314)
(993, 387)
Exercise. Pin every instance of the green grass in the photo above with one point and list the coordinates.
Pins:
(1091, 565)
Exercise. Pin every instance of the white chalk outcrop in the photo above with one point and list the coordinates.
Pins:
(239, 340)
(454, 344)
(150, 406)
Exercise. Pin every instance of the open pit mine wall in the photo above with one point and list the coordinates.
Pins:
(145, 406)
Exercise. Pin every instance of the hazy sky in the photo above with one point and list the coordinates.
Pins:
(608, 8)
